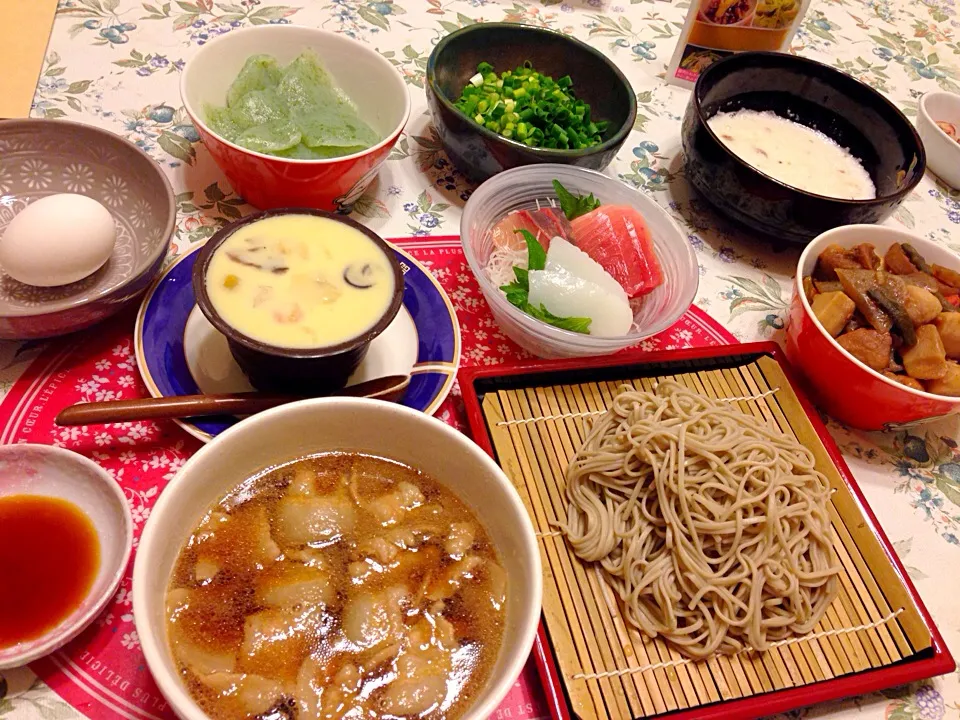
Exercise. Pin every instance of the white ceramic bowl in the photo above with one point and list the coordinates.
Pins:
(943, 152)
(55, 472)
(310, 426)
(374, 85)
(529, 186)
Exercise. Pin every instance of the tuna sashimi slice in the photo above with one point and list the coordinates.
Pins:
(543, 224)
(617, 237)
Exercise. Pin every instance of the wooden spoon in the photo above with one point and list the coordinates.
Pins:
(390, 388)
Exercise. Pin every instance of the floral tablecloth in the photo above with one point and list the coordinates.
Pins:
(116, 64)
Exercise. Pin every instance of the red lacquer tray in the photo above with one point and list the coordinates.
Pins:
(894, 641)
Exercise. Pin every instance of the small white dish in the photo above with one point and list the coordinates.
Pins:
(943, 152)
(54, 472)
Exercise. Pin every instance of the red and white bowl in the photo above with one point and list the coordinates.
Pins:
(840, 384)
(369, 80)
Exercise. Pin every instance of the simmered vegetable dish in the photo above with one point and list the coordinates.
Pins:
(896, 314)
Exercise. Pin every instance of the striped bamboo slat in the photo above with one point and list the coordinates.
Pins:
(612, 671)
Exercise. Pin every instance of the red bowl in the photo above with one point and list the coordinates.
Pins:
(265, 181)
(839, 383)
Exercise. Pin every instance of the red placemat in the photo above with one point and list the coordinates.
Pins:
(102, 673)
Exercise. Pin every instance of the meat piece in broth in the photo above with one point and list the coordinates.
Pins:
(308, 520)
(289, 584)
(196, 617)
(390, 508)
(496, 584)
(447, 583)
(460, 539)
(238, 541)
(377, 555)
(371, 619)
(276, 639)
(387, 547)
(327, 694)
(422, 670)
(206, 569)
(202, 661)
(413, 562)
(243, 695)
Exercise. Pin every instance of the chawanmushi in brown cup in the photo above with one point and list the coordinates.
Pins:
(300, 368)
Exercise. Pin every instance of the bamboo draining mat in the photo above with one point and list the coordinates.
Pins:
(608, 668)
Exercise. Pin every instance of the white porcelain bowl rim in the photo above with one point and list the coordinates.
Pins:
(864, 233)
(151, 536)
(926, 115)
(197, 117)
(60, 635)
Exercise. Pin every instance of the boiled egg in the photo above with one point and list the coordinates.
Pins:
(57, 240)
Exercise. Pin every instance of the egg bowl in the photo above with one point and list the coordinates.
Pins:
(266, 181)
(301, 371)
(943, 151)
(839, 383)
(848, 112)
(52, 472)
(39, 158)
(308, 427)
(480, 153)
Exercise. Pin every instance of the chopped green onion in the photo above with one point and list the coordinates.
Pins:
(531, 108)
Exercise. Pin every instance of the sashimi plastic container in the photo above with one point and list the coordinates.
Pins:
(521, 189)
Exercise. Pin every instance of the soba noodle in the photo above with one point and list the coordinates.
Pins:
(711, 526)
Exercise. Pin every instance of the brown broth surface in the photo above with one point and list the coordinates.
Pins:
(338, 586)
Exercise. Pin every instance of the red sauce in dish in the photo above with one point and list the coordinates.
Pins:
(49, 557)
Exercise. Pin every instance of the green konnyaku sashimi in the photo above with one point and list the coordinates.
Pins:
(295, 111)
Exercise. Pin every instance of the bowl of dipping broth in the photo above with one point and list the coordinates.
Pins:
(938, 122)
(299, 294)
(65, 540)
(295, 116)
(496, 126)
(791, 148)
(866, 377)
(85, 224)
(612, 276)
(338, 553)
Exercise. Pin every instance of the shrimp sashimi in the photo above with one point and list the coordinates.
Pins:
(542, 224)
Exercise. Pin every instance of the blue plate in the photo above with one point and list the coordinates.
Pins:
(180, 353)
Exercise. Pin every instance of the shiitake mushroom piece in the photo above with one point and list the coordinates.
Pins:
(359, 276)
(270, 264)
(901, 320)
(916, 258)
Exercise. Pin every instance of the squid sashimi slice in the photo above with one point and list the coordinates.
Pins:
(574, 260)
(574, 285)
(542, 224)
(617, 237)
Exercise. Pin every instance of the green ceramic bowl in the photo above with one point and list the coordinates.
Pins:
(481, 153)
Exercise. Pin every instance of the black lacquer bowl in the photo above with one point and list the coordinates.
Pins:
(854, 115)
(480, 153)
(294, 371)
